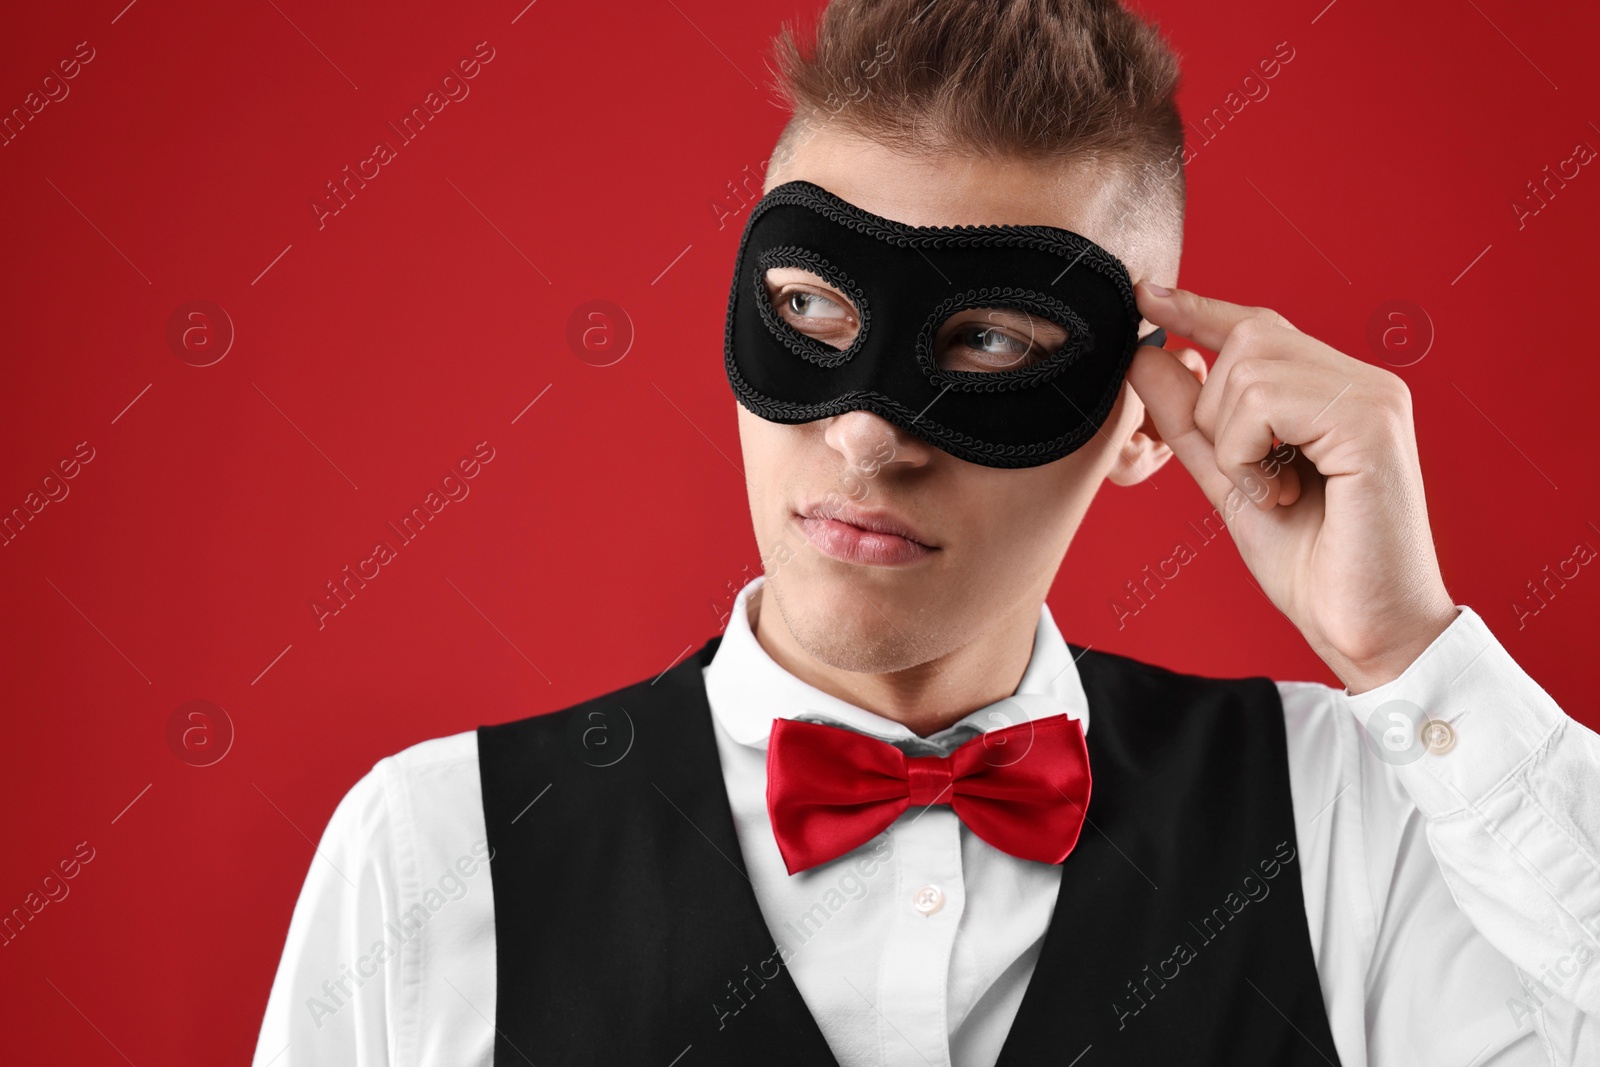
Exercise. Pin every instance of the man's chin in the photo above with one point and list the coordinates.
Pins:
(831, 588)
(838, 611)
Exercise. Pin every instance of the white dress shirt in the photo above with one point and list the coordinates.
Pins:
(1453, 901)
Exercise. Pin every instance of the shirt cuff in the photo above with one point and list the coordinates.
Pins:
(1496, 718)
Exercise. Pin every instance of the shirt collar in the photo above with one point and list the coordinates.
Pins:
(747, 689)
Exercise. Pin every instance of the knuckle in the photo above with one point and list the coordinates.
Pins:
(1398, 405)
(1249, 333)
(1253, 394)
(1192, 359)
(1390, 392)
(1231, 458)
(1245, 373)
(1399, 390)
(1272, 317)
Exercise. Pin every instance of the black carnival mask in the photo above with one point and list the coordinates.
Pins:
(1002, 345)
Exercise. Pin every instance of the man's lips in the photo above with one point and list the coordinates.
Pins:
(858, 535)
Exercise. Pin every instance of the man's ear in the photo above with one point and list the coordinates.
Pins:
(1145, 452)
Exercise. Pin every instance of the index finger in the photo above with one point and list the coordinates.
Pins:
(1169, 392)
(1202, 319)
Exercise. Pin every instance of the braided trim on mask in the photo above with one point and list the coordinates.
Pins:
(963, 446)
(808, 348)
(950, 440)
(1079, 341)
(1052, 239)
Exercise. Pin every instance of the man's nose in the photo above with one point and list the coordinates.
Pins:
(868, 440)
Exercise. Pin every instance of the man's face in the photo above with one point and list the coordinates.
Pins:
(993, 537)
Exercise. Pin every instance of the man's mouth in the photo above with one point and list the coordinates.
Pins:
(862, 535)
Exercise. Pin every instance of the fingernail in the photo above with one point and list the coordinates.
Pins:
(1157, 290)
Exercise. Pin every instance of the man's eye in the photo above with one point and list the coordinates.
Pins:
(812, 306)
(994, 344)
(996, 339)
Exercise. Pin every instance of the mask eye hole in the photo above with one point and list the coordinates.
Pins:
(811, 306)
(989, 340)
(1001, 338)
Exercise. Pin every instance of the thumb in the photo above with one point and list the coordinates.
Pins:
(1168, 385)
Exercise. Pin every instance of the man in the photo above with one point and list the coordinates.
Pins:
(890, 816)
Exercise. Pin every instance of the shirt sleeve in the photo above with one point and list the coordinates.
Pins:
(329, 1002)
(1506, 796)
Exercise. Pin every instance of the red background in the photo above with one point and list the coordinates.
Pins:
(608, 533)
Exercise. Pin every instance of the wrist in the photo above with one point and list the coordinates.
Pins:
(1360, 676)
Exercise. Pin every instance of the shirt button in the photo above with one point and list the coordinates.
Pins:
(928, 899)
(1438, 736)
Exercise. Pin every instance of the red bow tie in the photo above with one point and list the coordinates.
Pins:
(1023, 788)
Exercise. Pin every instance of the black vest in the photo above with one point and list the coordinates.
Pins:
(627, 932)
